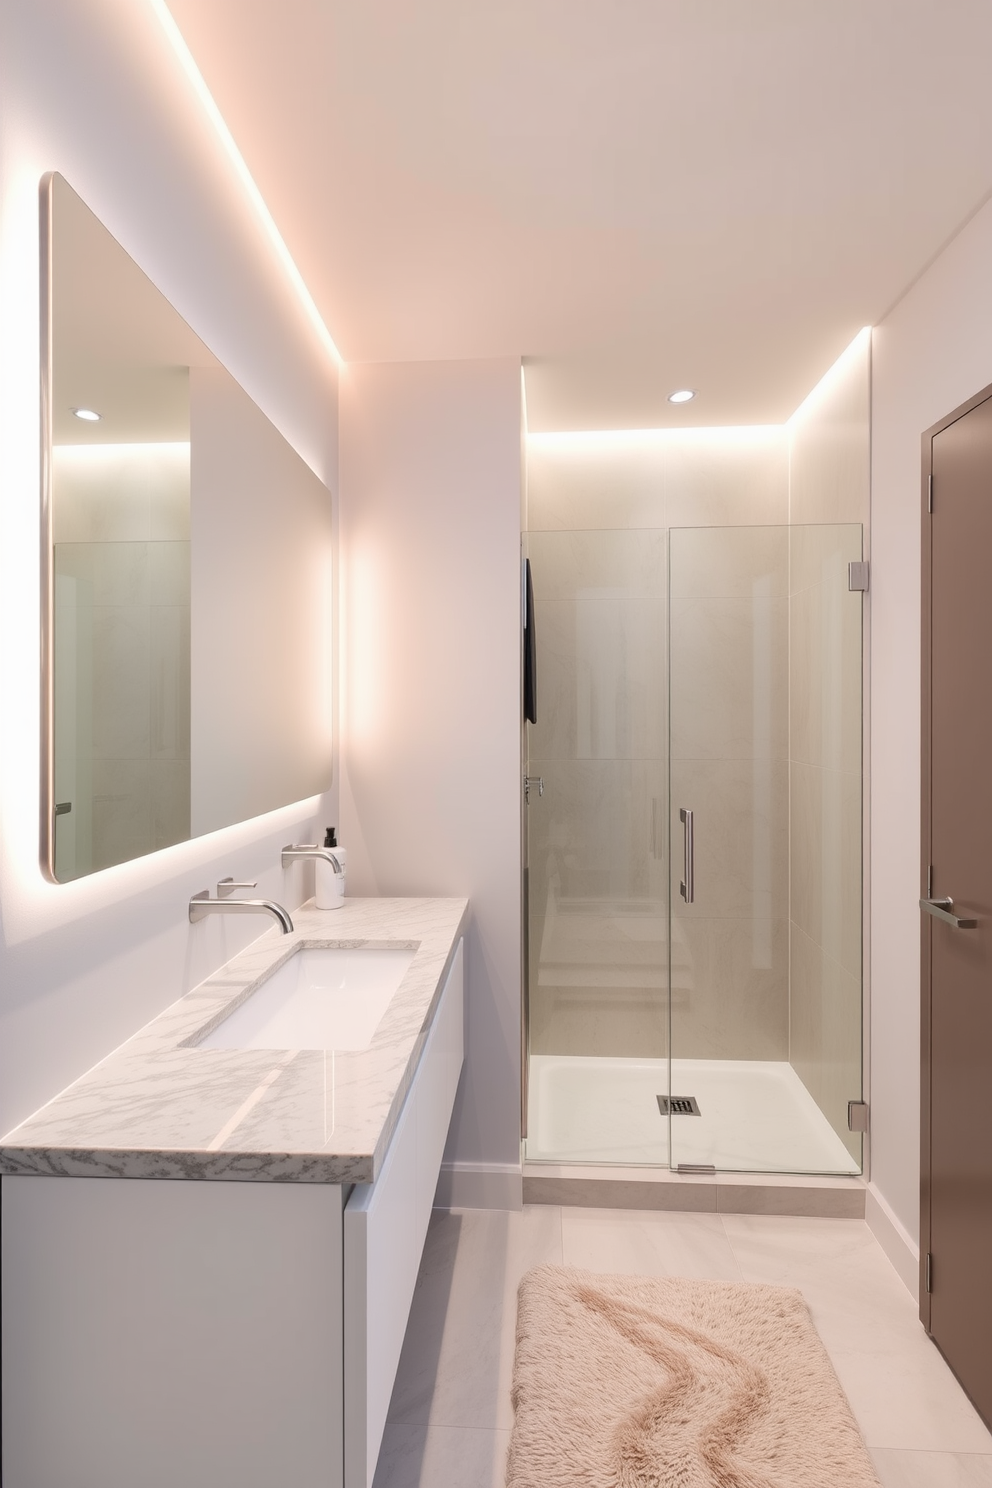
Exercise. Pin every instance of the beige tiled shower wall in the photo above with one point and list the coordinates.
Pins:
(122, 580)
(600, 512)
(829, 508)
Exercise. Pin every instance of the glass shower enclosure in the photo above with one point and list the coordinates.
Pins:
(694, 863)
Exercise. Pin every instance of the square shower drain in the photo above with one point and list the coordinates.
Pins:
(678, 1105)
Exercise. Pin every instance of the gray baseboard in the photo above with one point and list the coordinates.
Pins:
(726, 1193)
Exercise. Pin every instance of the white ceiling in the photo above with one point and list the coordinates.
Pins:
(634, 195)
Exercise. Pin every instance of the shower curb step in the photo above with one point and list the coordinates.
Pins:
(819, 1197)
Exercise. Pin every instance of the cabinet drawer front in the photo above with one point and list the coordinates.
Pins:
(438, 1080)
(385, 1225)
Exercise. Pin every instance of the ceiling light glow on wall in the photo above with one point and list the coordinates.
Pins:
(226, 138)
(682, 395)
(89, 415)
(859, 348)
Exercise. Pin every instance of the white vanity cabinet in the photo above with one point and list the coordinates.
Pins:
(385, 1225)
(218, 1334)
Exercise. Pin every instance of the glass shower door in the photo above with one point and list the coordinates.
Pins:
(597, 872)
(765, 900)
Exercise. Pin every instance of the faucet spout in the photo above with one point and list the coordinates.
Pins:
(293, 852)
(202, 905)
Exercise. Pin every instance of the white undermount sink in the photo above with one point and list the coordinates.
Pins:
(321, 998)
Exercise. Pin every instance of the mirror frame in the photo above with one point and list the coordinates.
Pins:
(47, 803)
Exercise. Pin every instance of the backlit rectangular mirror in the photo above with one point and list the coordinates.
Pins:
(187, 632)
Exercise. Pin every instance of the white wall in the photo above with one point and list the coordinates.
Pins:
(931, 353)
(261, 594)
(430, 495)
(91, 88)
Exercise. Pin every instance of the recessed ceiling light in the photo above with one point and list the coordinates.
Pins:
(89, 414)
(682, 395)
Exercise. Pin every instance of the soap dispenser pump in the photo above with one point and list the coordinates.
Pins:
(328, 885)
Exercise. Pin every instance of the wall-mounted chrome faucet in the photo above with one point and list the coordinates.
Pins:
(299, 850)
(202, 905)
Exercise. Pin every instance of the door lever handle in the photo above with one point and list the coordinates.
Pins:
(943, 909)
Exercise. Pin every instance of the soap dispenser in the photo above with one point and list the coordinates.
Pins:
(328, 885)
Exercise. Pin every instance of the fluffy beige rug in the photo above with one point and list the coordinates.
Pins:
(632, 1382)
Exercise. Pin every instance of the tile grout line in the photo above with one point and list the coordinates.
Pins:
(729, 1239)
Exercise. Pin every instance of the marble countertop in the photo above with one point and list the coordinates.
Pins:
(159, 1107)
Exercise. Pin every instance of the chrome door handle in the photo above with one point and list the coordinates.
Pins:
(687, 886)
(943, 909)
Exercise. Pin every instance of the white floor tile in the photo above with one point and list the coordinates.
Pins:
(457, 1360)
(856, 1298)
(639, 1243)
(450, 1415)
(442, 1457)
(900, 1389)
(900, 1469)
(908, 1398)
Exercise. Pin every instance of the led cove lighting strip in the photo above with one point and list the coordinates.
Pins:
(667, 434)
(122, 447)
(182, 51)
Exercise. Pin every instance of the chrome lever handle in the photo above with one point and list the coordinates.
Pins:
(943, 909)
(688, 884)
(227, 886)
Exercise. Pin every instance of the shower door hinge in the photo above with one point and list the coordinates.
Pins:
(857, 577)
(929, 1273)
(857, 1116)
(532, 780)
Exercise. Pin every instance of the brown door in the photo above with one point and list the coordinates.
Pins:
(957, 858)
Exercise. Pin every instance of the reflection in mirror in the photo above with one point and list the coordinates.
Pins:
(187, 573)
(122, 665)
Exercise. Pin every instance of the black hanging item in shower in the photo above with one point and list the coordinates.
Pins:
(530, 648)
